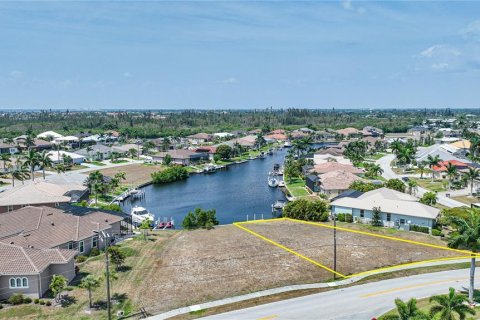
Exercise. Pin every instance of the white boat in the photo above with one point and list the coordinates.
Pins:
(139, 214)
(272, 181)
(287, 144)
(262, 155)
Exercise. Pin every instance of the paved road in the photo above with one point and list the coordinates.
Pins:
(388, 173)
(357, 302)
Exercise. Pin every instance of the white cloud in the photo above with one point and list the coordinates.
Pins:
(348, 5)
(472, 31)
(440, 66)
(440, 50)
(127, 74)
(230, 80)
(16, 74)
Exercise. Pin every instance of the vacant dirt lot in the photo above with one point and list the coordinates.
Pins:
(136, 174)
(355, 252)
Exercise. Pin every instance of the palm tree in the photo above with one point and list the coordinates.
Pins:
(19, 173)
(5, 157)
(60, 168)
(132, 152)
(396, 146)
(450, 305)
(432, 162)
(406, 311)
(471, 175)
(452, 173)
(467, 237)
(405, 155)
(89, 149)
(259, 141)
(421, 168)
(412, 186)
(375, 170)
(90, 282)
(31, 160)
(44, 161)
(97, 187)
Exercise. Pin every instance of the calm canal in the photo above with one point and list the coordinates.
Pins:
(234, 192)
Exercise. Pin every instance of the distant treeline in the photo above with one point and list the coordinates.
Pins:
(152, 124)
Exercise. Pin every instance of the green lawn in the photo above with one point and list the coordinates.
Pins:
(376, 156)
(97, 163)
(296, 187)
(436, 185)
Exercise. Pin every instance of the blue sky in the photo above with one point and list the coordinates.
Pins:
(350, 54)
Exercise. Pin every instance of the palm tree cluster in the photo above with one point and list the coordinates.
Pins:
(404, 152)
(356, 151)
(451, 306)
(26, 164)
(98, 184)
(373, 170)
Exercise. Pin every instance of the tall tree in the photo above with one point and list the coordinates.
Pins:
(32, 160)
(471, 175)
(432, 162)
(406, 311)
(467, 237)
(452, 173)
(90, 282)
(44, 160)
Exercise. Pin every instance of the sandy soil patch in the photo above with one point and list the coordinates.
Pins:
(136, 174)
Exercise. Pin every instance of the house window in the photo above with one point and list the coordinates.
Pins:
(94, 242)
(402, 221)
(18, 283)
(70, 245)
(81, 247)
(362, 213)
(9, 208)
(389, 217)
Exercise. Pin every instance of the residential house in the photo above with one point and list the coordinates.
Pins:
(336, 166)
(64, 227)
(441, 168)
(319, 158)
(312, 182)
(181, 157)
(124, 149)
(222, 135)
(398, 209)
(29, 271)
(49, 135)
(278, 137)
(8, 148)
(335, 182)
(96, 152)
(210, 150)
(40, 193)
(199, 138)
(59, 156)
(349, 132)
(38, 144)
(370, 131)
(437, 150)
(246, 142)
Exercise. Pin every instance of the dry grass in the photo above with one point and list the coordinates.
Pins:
(136, 174)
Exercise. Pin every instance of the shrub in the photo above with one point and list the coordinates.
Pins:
(94, 252)
(36, 301)
(48, 303)
(437, 232)
(42, 302)
(200, 219)
(348, 218)
(341, 217)
(416, 228)
(80, 259)
(309, 210)
(170, 174)
(15, 299)
(27, 300)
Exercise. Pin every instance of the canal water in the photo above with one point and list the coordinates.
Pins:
(235, 192)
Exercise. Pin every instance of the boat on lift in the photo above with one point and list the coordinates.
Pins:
(281, 183)
(262, 155)
(140, 214)
(272, 181)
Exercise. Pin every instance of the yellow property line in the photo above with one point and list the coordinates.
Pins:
(239, 225)
(379, 293)
(384, 237)
(289, 250)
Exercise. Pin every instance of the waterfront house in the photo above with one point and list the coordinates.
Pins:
(29, 271)
(312, 182)
(181, 157)
(40, 193)
(397, 209)
(335, 166)
(64, 227)
(199, 138)
(370, 131)
(124, 149)
(279, 137)
(319, 158)
(210, 150)
(38, 144)
(440, 150)
(335, 182)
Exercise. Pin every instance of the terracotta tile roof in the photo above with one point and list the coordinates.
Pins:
(46, 227)
(337, 180)
(335, 166)
(15, 260)
(348, 131)
(208, 149)
(442, 165)
(202, 135)
(276, 136)
(331, 151)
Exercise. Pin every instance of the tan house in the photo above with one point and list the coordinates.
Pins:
(40, 193)
(334, 183)
(200, 138)
(335, 166)
(65, 227)
(29, 270)
(349, 132)
(181, 157)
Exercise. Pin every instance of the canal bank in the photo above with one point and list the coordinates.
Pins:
(234, 192)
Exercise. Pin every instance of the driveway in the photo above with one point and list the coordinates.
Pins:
(388, 173)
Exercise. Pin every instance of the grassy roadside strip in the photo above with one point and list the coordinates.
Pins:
(301, 293)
